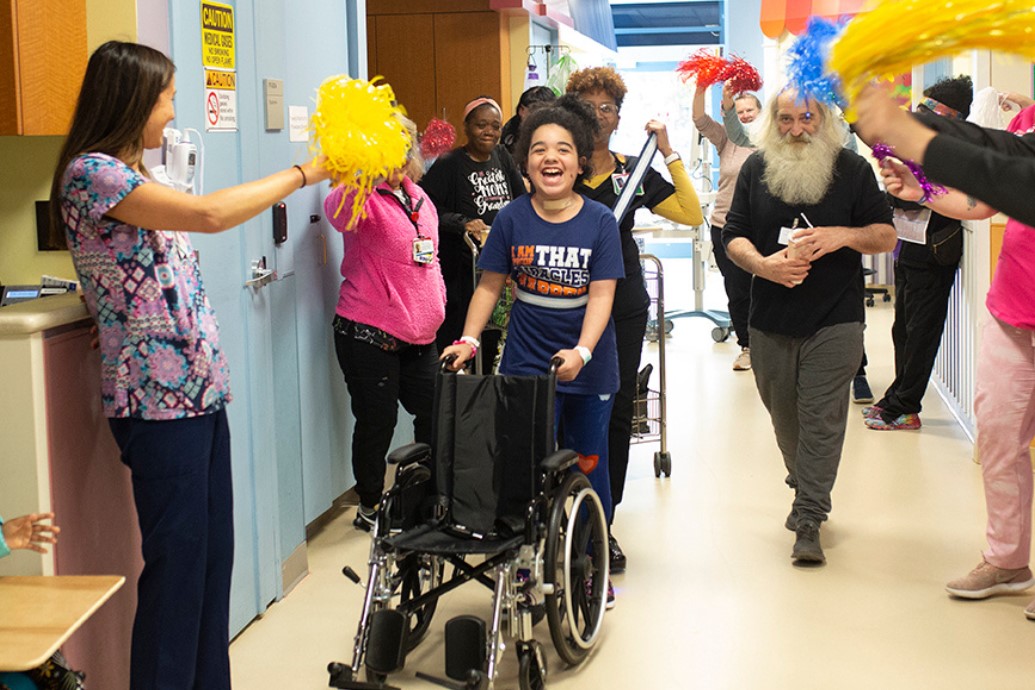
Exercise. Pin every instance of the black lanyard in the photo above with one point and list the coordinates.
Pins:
(619, 165)
(412, 212)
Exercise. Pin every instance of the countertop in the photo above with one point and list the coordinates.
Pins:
(41, 314)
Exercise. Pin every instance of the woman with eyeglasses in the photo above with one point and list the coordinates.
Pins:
(469, 186)
(604, 90)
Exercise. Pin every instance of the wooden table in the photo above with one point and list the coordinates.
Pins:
(37, 614)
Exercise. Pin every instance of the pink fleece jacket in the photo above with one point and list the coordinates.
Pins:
(383, 286)
(1011, 297)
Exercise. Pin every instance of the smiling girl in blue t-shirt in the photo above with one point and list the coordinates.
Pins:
(563, 253)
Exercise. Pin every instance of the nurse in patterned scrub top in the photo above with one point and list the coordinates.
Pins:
(164, 377)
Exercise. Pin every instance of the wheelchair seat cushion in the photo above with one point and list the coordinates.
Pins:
(443, 540)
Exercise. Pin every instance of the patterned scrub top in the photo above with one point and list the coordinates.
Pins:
(159, 340)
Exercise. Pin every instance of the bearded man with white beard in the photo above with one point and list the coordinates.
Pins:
(804, 210)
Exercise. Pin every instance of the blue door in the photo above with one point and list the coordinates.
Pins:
(265, 335)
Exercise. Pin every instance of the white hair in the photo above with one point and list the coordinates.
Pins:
(799, 170)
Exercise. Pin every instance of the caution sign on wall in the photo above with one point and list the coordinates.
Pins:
(220, 101)
(217, 36)
(217, 56)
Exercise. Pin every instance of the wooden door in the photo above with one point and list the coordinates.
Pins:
(467, 61)
(42, 61)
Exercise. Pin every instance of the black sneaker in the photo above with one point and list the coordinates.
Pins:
(791, 522)
(617, 556)
(861, 393)
(806, 545)
(365, 517)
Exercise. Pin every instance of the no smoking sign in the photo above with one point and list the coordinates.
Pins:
(220, 110)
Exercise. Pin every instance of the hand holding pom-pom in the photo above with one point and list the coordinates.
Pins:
(356, 127)
(742, 76)
(703, 66)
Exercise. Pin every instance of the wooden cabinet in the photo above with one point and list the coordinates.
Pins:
(438, 56)
(42, 60)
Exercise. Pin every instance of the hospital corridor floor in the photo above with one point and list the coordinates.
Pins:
(710, 598)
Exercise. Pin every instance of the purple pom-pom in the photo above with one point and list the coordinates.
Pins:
(882, 151)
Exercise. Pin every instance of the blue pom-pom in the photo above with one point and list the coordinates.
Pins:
(807, 69)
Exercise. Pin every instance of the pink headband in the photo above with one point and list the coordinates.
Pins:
(478, 102)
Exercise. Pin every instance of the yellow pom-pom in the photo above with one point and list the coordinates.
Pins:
(356, 126)
(897, 34)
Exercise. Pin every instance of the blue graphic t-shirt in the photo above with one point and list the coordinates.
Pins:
(554, 263)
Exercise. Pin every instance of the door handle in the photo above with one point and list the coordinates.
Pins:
(261, 276)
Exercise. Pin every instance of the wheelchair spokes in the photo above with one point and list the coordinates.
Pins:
(576, 565)
(418, 574)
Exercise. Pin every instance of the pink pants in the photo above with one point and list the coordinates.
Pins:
(1005, 409)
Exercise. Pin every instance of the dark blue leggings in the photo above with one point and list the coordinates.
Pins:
(582, 420)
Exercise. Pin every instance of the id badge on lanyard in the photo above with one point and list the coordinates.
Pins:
(423, 250)
(618, 181)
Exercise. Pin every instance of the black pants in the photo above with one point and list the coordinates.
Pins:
(738, 288)
(378, 381)
(629, 332)
(921, 303)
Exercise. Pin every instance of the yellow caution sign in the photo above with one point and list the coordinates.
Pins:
(215, 79)
(217, 35)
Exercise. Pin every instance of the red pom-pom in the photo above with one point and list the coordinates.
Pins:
(703, 66)
(742, 76)
(439, 137)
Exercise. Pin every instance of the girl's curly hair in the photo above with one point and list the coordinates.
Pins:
(571, 113)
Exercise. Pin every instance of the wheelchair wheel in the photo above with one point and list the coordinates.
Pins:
(576, 568)
(418, 574)
(532, 666)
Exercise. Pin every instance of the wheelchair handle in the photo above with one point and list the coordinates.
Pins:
(447, 362)
(555, 364)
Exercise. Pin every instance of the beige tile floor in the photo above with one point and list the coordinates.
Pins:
(710, 598)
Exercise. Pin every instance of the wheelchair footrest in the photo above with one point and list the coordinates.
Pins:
(341, 677)
(476, 680)
(386, 641)
(465, 646)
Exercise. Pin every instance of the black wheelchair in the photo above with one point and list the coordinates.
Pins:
(507, 510)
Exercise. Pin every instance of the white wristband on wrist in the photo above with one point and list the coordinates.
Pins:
(470, 340)
(672, 158)
(584, 353)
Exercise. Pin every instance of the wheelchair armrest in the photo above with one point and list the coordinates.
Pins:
(559, 460)
(411, 452)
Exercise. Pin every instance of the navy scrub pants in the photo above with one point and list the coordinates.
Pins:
(184, 499)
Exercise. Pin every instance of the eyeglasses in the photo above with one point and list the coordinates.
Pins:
(606, 109)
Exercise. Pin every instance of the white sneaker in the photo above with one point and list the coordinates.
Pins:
(743, 360)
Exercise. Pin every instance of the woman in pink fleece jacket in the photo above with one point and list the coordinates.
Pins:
(391, 303)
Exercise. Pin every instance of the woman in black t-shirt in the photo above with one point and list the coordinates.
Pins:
(468, 186)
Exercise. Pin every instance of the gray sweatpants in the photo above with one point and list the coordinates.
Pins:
(804, 384)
